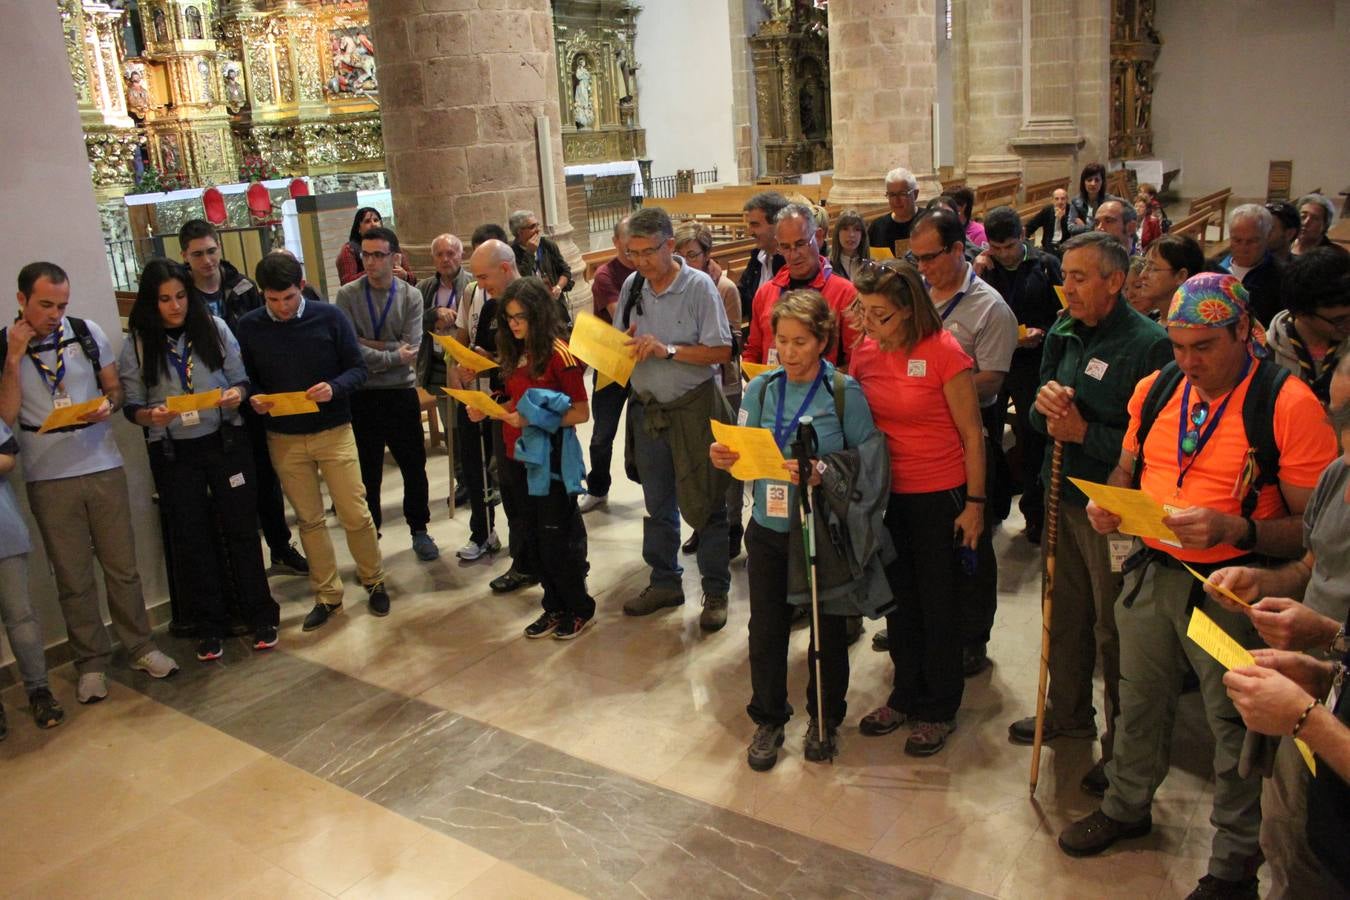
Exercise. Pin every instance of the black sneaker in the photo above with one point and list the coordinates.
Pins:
(570, 627)
(816, 750)
(763, 750)
(379, 599)
(546, 624)
(265, 637)
(511, 580)
(690, 546)
(1211, 886)
(47, 713)
(209, 649)
(289, 561)
(974, 660)
(320, 614)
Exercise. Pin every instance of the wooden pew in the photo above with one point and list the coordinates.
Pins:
(997, 193)
(1044, 190)
(1216, 204)
(1194, 224)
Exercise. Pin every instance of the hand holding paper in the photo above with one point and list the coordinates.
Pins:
(480, 401)
(603, 347)
(293, 403)
(463, 355)
(66, 416)
(1139, 513)
(182, 403)
(760, 456)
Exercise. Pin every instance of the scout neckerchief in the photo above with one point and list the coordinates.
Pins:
(52, 379)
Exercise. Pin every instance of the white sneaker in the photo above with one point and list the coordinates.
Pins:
(592, 501)
(156, 664)
(471, 551)
(92, 688)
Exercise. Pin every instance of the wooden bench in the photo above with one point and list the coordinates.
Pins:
(997, 193)
(1216, 205)
(1194, 224)
(1044, 190)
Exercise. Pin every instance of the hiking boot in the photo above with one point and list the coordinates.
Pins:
(592, 502)
(1211, 887)
(288, 561)
(47, 713)
(320, 614)
(155, 664)
(265, 637)
(763, 750)
(209, 649)
(543, 626)
(511, 580)
(928, 738)
(816, 750)
(654, 597)
(378, 599)
(1023, 731)
(690, 546)
(1092, 835)
(974, 660)
(571, 627)
(1094, 782)
(881, 641)
(92, 687)
(882, 720)
(424, 546)
(714, 614)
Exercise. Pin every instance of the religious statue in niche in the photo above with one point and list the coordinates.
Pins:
(170, 159)
(193, 17)
(235, 99)
(583, 95)
(161, 26)
(628, 71)
(353, 57)
(1143, 97)
(811, 100)
(139, 101)
(204, 73)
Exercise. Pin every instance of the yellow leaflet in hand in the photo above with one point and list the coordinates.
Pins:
(291, 403)
(880, 253)
(760, 456)
(181, 403)
(1021, 332)
(478, 400)
(601, 346)
(463, 355)
(754, 370)
(1216, 642)
(1220, 588)
(1059, 292)
(1139, 513)
(1306, 752)
(66, 416)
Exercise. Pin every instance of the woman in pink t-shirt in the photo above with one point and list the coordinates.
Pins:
(921, 389)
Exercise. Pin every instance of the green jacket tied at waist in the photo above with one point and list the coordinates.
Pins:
(686, 424)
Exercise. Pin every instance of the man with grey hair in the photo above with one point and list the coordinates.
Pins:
(441, 294)
(760, 212)
(902, 195)
(680, 335)
(1249, 259)
(539, 255)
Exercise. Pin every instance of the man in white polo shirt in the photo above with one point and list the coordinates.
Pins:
(76, 486)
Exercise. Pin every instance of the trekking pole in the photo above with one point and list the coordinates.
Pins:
(1047, 604)
(803, 448)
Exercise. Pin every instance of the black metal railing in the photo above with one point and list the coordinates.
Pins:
(667, 186)
(125, 258)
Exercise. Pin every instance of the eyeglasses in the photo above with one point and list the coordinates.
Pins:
(796, 247)
(1151, 269)
(693, 253)
(518, 318)
(896, 195)
(1191, 439)
(644, 255)
(922, 258)
(1340, 323)
(374, 254)
(870, 315)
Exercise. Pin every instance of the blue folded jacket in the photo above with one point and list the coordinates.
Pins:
(543, 410)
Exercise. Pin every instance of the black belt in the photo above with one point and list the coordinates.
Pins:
(63, 430)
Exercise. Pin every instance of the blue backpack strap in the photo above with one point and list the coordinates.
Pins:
(1164, 386)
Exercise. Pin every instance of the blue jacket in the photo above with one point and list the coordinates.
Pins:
(544, 409)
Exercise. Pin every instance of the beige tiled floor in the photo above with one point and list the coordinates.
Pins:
(131, 798)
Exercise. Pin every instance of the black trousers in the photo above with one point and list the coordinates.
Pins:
(475, 448)
(206, 486)
(770, 630)
(513, 505)
(552, 541)
(925, 638)
(606, 407)
(978, 592)
(1021, 385)
(393, 418)
(271, 504)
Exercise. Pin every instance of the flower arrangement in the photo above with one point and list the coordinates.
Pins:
(152, 181)
(256, 168)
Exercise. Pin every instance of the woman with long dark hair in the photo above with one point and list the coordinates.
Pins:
(201, 459)
(849, 247)
(349, 265)
(545, 401)
(1091, 194)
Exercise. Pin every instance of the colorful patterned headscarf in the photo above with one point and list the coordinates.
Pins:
(1208, 300)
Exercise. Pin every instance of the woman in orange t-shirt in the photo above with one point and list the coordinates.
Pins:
(921, 388)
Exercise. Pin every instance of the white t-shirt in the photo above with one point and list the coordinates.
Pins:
(70, 453)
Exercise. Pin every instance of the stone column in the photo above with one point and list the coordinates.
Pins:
(1050, 136)
(883, 80)
(993, 34)
(459, 94)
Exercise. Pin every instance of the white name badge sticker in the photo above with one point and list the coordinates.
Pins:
(771, 359)
(237, 480)
(61, 401)
(1096, 369)
(191, 417)
(1120, 551)
(918, 368)
(776, 500)
(742, 416)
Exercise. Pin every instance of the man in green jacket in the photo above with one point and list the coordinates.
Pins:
(1094, 357)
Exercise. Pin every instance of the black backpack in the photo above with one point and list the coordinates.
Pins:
(634, 300)
(81, 329)
(1258, 421)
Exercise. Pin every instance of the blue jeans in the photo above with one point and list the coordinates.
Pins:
(661, 527)
(21, 622)
(606, 407)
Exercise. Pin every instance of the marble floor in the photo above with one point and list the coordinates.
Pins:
(438, 753)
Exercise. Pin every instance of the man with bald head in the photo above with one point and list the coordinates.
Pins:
(1111, 219)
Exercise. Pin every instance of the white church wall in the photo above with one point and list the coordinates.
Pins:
(685, 98)
(1242, 82)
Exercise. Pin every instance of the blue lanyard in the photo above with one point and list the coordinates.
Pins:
(1208, 432)
(388, 304)
(951, 306)
(182, 364)
(781, 434)
(52, 379)
(539, 258)
(454, 296)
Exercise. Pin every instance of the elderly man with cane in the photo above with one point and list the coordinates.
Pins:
(1094, 356)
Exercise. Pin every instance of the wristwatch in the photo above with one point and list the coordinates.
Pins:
(1248, 541)
(670, 351)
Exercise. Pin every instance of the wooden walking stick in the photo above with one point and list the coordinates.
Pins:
(1047, 603)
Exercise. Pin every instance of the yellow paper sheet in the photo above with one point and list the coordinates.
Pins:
(760, 456)
(1021, 332)
(1222, 590)
(1059, 292)
(463, 355)
(1217, 642)
(182, 403)
(1139, 513)
(880, 253)
(1306, 752)
(754, 370)
(67, 416)
(478, 400)
(294, 403)
(602, 346)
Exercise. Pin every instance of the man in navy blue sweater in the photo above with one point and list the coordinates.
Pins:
(291, 345)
